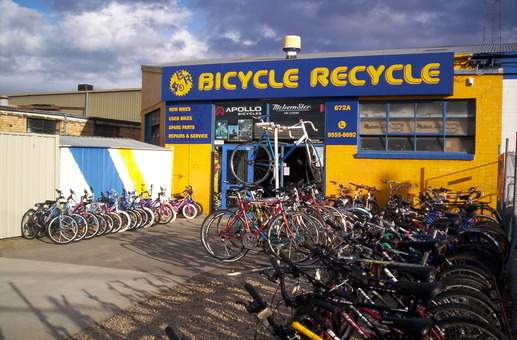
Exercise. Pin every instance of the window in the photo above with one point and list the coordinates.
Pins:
(152, 127)
(425, 127)
(36, 125)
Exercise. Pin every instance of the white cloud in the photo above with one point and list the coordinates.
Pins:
(104, 47)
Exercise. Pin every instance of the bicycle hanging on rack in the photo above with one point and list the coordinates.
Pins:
(260, 154)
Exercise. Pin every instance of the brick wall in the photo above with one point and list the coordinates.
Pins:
(77, 128)
(129, 132)
(12, 123)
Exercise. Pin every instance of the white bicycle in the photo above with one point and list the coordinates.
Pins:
(258, 155)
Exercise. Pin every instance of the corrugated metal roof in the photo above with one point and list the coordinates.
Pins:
(132, 89)
(107, 142)
(484, 48)
(42, 112)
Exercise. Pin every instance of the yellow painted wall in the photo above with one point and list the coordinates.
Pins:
(192, 165)
(343, 167)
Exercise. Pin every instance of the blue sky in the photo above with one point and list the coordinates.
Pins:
(56, 44)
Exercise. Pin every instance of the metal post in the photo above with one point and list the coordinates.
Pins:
(515, 177)
(277, 168)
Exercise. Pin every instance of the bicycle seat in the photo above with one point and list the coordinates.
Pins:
(421, 290)
(419, 272)
(48, 202)
(415, 328)
(432, 245)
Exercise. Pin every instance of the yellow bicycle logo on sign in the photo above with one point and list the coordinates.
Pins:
(180, 83)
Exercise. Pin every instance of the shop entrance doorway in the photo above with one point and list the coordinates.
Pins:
(293, 172)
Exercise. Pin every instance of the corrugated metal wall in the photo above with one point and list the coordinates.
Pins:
(118, 105)
(115, 105)
(28, 174)
(70, 102)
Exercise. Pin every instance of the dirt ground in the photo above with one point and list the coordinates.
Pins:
(203, 308)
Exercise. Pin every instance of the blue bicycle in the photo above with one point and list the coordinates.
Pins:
(258, 155)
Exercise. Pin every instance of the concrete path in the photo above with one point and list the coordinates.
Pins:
(49, 291)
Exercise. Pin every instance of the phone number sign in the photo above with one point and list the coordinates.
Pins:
(341, 122)
(188, 124)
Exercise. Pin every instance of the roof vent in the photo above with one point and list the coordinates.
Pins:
(84, 87)
(292, 45)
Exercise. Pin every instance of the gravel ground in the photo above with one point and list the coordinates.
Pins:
(202, 308)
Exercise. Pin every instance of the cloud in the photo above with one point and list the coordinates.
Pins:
(105, 42)
(104, 46)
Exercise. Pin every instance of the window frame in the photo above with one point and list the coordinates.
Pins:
(44, 128)
(414, 153)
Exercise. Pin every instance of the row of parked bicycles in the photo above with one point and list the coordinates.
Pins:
(71, 219)
(426, 267)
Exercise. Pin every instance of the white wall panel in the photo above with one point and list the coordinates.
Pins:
(509, 113)
(29, 173)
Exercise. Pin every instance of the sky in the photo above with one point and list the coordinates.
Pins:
(54, 45)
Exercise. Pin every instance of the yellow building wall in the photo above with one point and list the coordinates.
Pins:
(343, 167)
(192, 165)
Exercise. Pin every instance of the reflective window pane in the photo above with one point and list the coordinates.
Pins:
(429, 125)
(400, 144)
(460, 126)
(430, 109)
(373, 143)
(401, 125)
(406, 110)
(373, 126)
(460, 108)
(429, 144)
(459, 144)
(373, 110)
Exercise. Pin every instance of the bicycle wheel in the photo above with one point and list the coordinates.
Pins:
(288, 238)
(127, 221)
(93, 225)
(221, 235)
(103, 224)
(150, 217)
(189, 211)
(109, 223)
(62, 229)
(82, 226)
(143, 218)
(466, 328)
(29, 228)
(117, 222)
(315, 163)
(166, 214)
(251, 155)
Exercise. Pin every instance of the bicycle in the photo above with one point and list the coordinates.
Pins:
(259, 154)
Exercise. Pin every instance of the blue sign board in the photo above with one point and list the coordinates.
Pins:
(379, 75)
(341, 122)
(188, 124)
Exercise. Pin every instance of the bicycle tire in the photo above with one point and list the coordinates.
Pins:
(82, 226)
(150, 217)
(306, 229)
(109, 223)
(484, 331)
(28, 228)
(221, 246)
(469, 298)
(315, 165)
(103, 224)
(93, 225)
(117, 222)
(261, 161)
(189, 211)
(57, 227)
(126, 221)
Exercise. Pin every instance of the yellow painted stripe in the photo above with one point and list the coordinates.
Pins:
(132, 168)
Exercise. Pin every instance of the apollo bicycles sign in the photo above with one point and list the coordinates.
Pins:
(406, 74)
